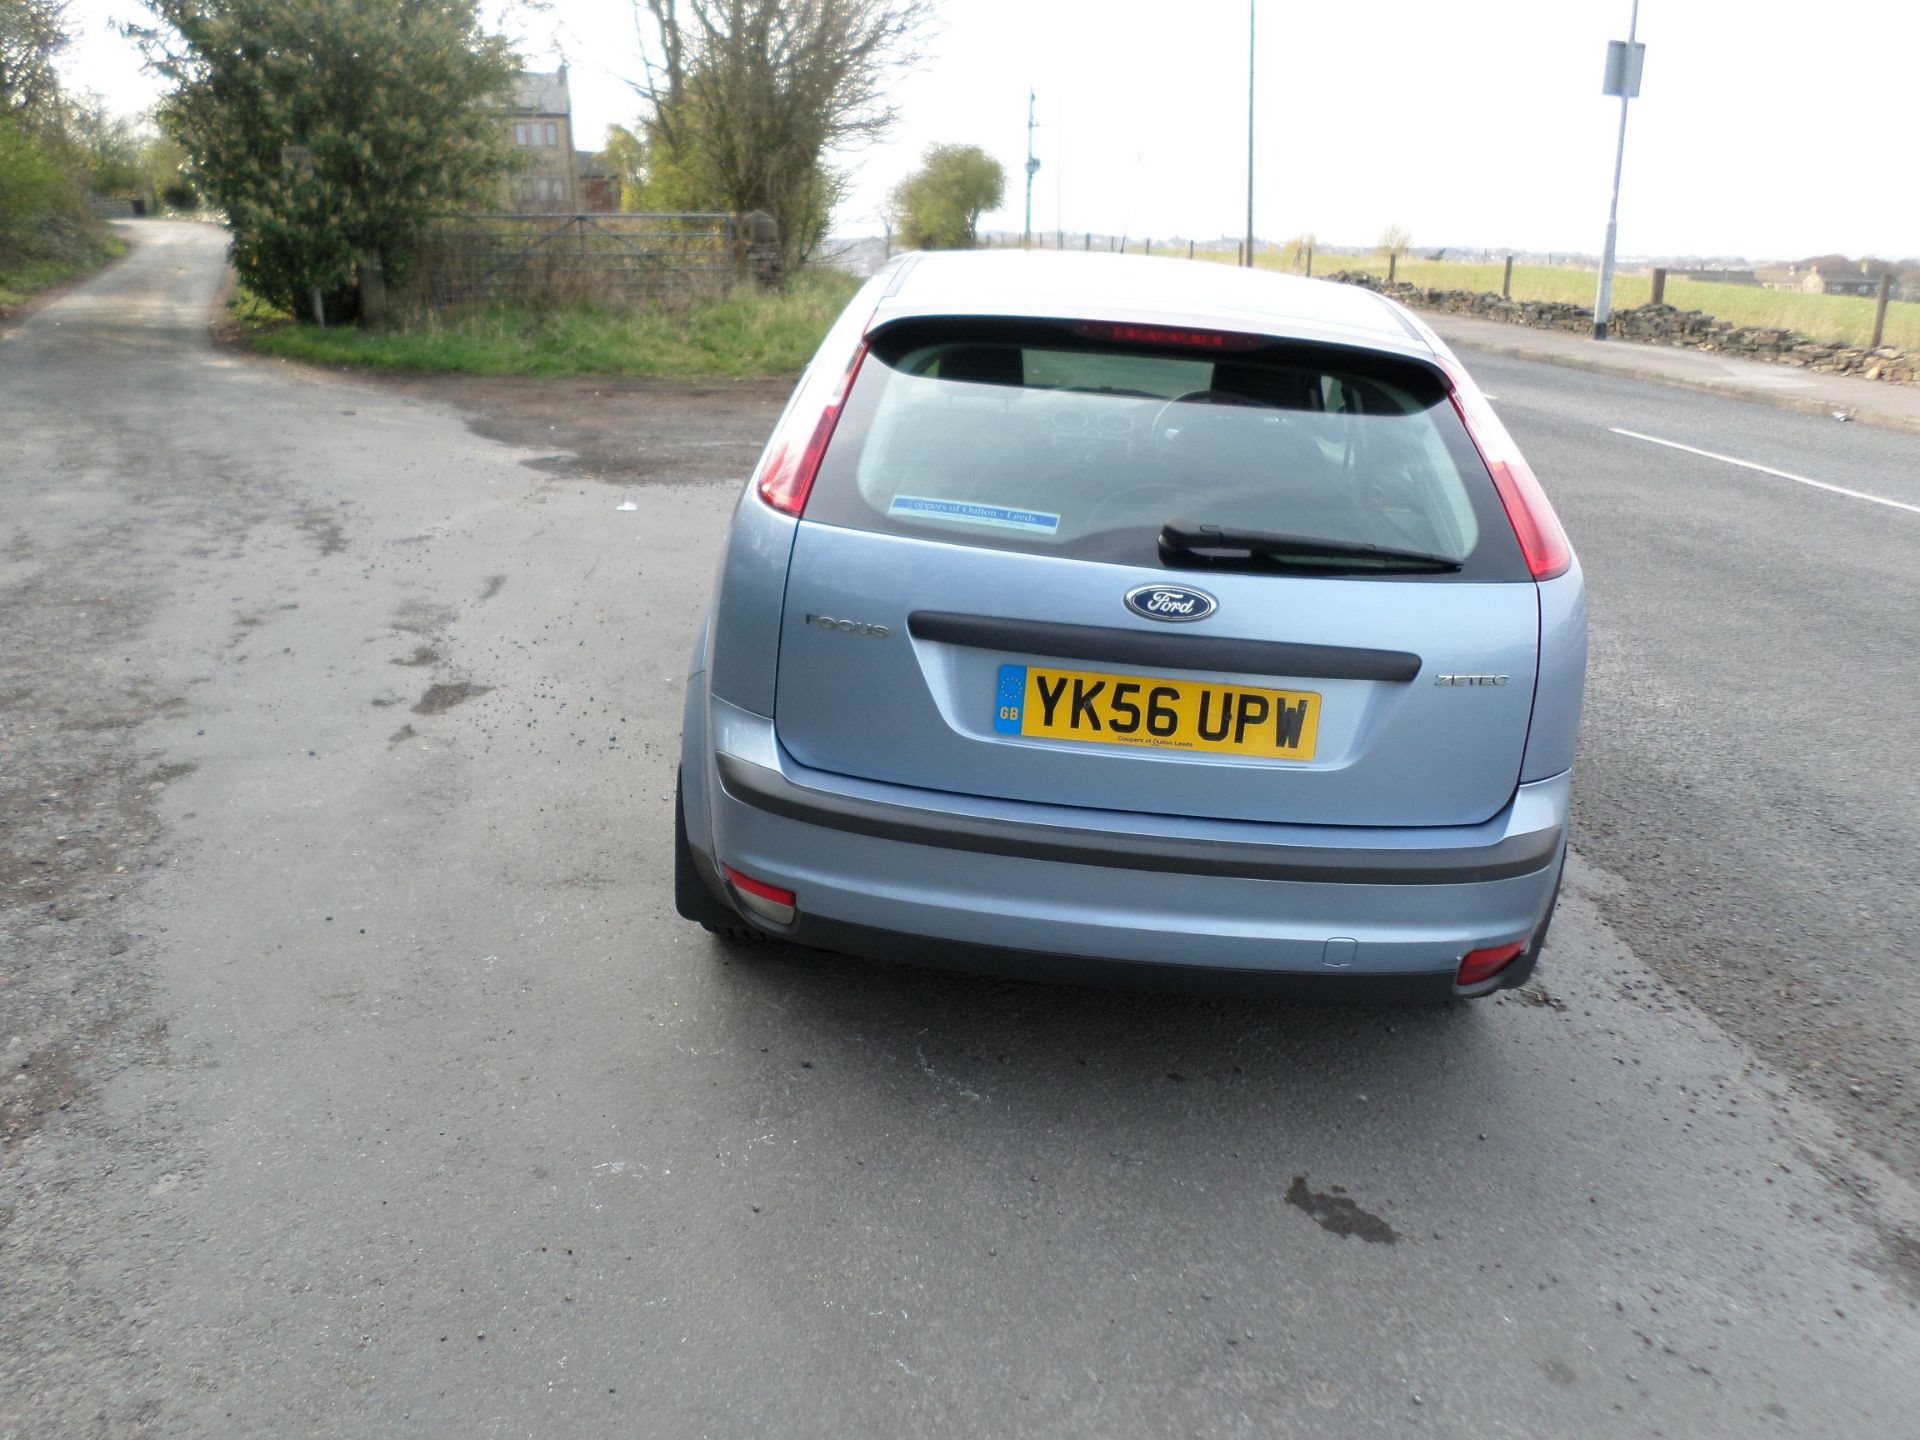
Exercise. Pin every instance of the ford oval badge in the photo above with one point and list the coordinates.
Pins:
(1171, 603)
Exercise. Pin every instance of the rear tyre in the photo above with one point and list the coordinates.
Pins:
(691, 897)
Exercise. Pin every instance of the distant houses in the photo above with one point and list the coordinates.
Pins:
(552, 176)
(1826, 275)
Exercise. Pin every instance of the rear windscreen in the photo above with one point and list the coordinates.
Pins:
(1035, 437)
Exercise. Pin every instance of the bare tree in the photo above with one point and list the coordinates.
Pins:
(746, 98)
(1395, 239)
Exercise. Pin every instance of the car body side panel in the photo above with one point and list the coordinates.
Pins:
(745, 650)
(749, 594)
(1562, 685)
(694, 748)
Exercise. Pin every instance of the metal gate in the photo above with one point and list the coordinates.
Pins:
(466, 259)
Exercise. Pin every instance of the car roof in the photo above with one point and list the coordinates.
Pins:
(1037, 284)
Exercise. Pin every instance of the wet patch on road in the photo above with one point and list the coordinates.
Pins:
(422, 617)
(444, 696)
(324, 530)
(494, 585)
(422, 655)
(1898, 1260)
(1335, 1211)
(612, 428)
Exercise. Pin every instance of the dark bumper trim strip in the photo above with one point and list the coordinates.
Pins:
(769, 790)
(1176, 651)
(1418, 987)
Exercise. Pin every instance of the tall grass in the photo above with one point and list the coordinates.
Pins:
(741, 333)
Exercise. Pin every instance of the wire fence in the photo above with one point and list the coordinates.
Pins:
(528, 258)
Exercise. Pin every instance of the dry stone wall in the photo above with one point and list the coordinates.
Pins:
(1660, 325)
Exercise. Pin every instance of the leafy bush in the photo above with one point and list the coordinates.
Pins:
(43, 212)
(939, 206)
(328, 130)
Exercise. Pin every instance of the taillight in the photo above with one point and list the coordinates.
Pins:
(1542, 540)
(801, 445)
(768, 901)
(1478, 965)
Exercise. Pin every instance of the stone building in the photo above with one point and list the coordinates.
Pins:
(538, 117)
(599, 184)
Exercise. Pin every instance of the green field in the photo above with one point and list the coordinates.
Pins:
(1847, 319)
(740, 334)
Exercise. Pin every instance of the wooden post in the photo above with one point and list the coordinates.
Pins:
(1190, 249)
(738, 224)
(1659, 285)
(1393, 264)
(1506, 282)
(1309, 262)
(1147, 247)
(1880, 309)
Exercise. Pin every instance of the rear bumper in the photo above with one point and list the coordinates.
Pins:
(1050, 891)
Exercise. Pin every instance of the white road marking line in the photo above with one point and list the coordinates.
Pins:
(1767, 470)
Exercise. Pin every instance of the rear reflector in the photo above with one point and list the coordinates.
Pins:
(1479, 965)
(1167, 335)
(793, 460)
(769, 902)
(1542, 540)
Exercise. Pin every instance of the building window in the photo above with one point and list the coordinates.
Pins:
(553, 132)
(541, 193)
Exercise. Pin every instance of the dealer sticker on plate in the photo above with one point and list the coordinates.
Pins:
(1103, 709)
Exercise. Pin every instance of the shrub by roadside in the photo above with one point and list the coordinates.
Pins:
(739, 334)
(47, 232)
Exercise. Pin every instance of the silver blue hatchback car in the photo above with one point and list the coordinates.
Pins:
(1120, 617)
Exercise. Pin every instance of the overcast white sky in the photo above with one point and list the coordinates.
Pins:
(1765, 129)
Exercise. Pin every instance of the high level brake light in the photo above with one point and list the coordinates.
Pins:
(1543, 542)
(794, 458)
(1176, 335)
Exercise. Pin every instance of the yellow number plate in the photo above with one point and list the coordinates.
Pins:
(1166, 714)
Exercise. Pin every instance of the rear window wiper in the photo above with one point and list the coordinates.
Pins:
(1188, 542)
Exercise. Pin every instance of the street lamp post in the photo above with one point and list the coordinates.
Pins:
(1033, 168)
(1247, 253)
(1623, 79)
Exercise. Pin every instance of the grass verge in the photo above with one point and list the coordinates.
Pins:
(742, 334)
(22, 279)
(1843, 319)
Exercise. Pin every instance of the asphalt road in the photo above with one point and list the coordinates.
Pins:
(359, 1080)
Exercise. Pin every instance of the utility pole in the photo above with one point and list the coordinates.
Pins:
(1247, 253)
(1033, 168)
(1623, 79)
